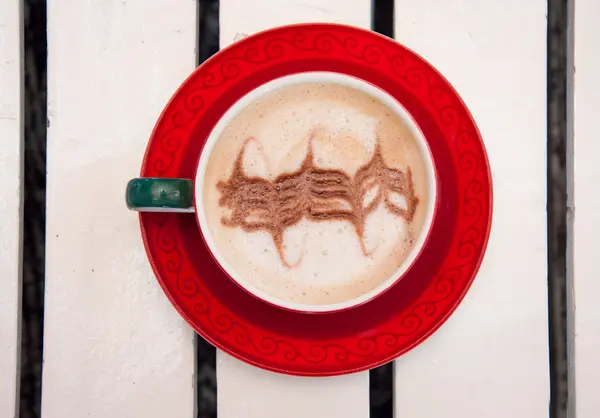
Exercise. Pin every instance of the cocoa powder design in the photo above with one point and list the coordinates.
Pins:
(257, 204)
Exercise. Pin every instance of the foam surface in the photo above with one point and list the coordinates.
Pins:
(314, 260)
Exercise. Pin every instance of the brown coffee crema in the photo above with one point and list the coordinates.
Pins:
(317, 194)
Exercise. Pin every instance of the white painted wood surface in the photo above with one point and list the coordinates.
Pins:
(113, 344)
(586, 195)
(11, 198)
(245, 391)
(491, 358)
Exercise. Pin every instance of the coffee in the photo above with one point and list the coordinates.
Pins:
(315, 193)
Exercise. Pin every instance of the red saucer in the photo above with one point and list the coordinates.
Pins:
(373, 333)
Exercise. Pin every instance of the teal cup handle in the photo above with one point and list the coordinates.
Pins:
(159, 194)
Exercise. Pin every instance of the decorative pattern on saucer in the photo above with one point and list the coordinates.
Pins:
(359, 338)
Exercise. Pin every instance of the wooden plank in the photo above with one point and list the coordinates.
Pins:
(248, 391)
(245, 391)
(11, 201)
(491, 358)
(114, 346)
(584, 193)
(246, 17)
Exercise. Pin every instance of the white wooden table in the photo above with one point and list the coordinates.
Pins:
(113, 344)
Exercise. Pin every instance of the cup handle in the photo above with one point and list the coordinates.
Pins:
(159, 194)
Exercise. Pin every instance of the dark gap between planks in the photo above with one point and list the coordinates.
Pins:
(34, 210)
(207, 44)
(557, 204)
(381, 379)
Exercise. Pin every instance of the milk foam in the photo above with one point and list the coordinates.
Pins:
(343, 125)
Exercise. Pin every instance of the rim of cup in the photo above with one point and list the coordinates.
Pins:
(320, 77)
